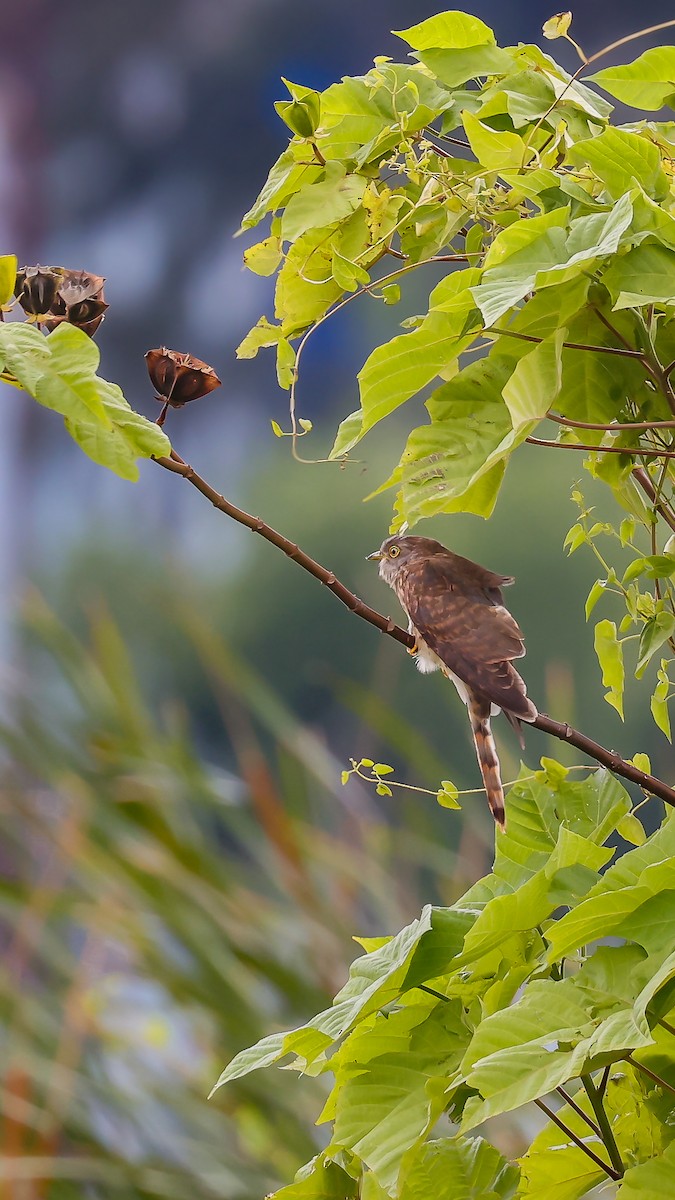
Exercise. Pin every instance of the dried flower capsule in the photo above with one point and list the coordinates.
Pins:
(36, 288)
(178, 378)
(79, 300)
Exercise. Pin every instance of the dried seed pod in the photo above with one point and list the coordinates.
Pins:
(36, 288)
(179, 378)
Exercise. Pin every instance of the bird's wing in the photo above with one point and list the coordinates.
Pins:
(472, 634)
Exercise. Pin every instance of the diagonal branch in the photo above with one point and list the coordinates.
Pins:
(560, 730)
(574, 1137)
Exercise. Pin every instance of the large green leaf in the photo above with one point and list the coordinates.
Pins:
(447, 30)
(569, 874)
(285, 178)
(644, 275)
(555, 1167)
(399, 369)
(320, 204)
(390, 1079)
(651, 1180)
(621, 159)
(374, 980)
(457, 1169)
(638, 875)
(494, 149)
(321, 1179)
(552, 1034)
(456, 66)
(647, 82)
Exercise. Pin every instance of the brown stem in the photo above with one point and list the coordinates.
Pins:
(577, 1140)
(664, 510)
(579, 1110)
(635, 451)
(645, 1070)
(528, 337)
(564, 732)
(616, 426)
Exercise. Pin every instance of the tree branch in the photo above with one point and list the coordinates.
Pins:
(577, 1140)
(564, 732)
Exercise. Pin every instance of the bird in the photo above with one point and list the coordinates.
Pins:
(457, 616)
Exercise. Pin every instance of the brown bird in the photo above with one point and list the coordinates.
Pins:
(456, 613)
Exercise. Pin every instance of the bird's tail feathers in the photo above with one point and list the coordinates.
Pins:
(486, 751)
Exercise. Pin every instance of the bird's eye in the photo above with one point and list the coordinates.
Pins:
(394, 551)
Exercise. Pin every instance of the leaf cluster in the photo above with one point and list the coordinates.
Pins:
(502, 999)
(60, 371)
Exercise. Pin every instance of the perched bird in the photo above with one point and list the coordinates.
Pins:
(457, 616)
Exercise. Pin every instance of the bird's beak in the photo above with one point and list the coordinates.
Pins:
(375, 556)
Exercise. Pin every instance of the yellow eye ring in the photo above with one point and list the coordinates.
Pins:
(394, 551)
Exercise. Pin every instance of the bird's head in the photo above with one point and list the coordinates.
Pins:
(396, 551)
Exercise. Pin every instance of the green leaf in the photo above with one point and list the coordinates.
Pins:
(390, 1078)
(545, 1038)
(457, 1169)
(396, 371)
(643, 276)
(130, 437)
(495, 149)
(8, 267)
(535, 383)
(321, 1179)
(264, 333)
(656, 631)
(285, 363)
(594, 595)
(557, 27)
(632, 830)
(556, 1167)
(285, 178)
(638, 875)
(320, 204)
(349, 275)
(264, 257)
(659, 707)
(447, 31)
(59, 371)
(375, 979)
(443, 460)
(620, 160)
(651, 1180)
(610, 656)
(455, 66)
(648, 82)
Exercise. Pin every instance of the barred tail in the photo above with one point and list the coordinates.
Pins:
(479, 715)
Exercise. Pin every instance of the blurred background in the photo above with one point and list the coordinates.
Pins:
(180, 869)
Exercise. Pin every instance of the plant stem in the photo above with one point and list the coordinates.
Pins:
(645, 1070)
(528, 337)
(578, 1110)
(613, 1174)
(603, 1121)
(635, 451)
(562, 731)
(615, 427)
(664, 510)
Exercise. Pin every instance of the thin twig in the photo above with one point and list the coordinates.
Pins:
(564, 732)
(578, 1110)
(645, 1070)
(615, 427)
(635, 451)
(664, 510)
(577, 1140)
(528, 337)
(630, 37)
